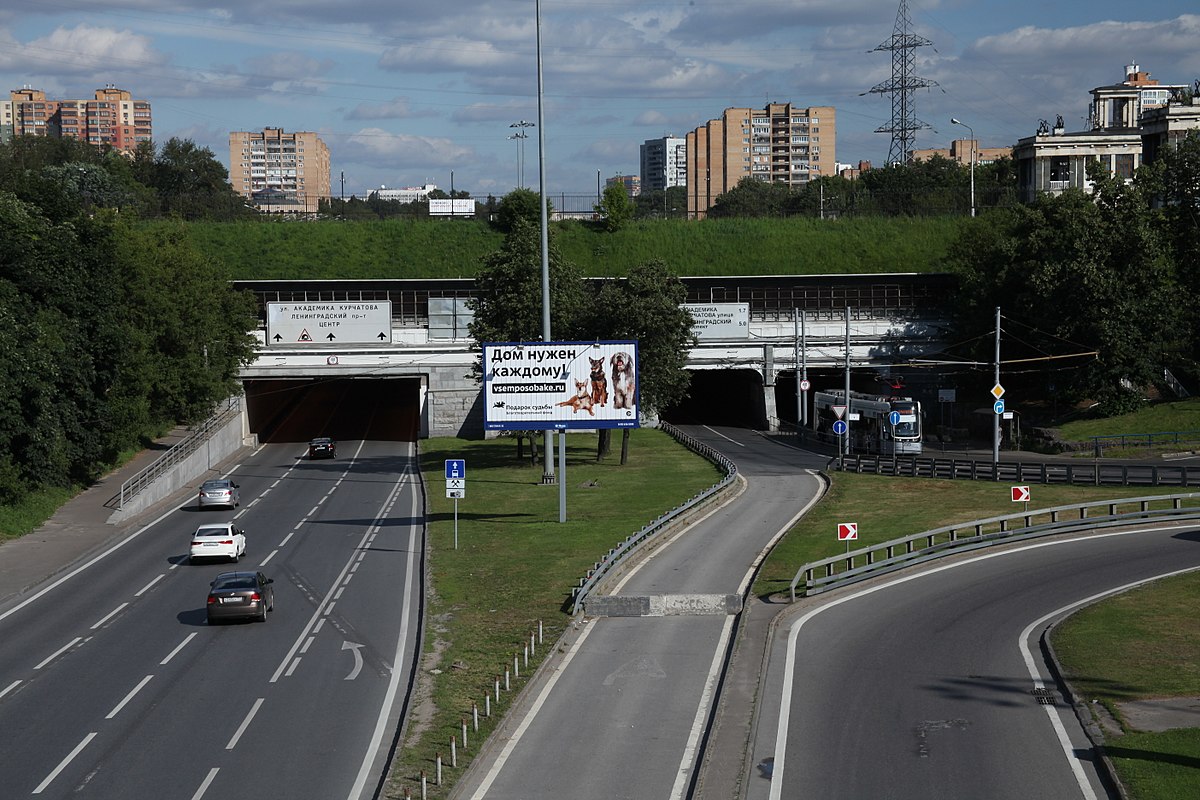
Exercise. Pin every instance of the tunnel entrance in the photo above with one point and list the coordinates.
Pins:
(729, 397)
(284, 410)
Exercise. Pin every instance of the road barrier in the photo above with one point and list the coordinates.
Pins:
(1092, 473)
(880, 559)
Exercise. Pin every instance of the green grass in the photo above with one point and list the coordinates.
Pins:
(515, 567)
(1173, 415)
(456, 248)
(1159, 766)
(32, 511)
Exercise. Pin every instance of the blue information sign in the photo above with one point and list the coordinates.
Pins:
(840, 427)
(456, 468)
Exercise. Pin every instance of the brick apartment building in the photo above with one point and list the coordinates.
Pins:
(280, 171)
(112, 118)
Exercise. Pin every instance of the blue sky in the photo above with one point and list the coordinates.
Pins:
(405, 93)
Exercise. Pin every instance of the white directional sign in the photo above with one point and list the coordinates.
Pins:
(319, 322)
(455, 494)
(720, 320)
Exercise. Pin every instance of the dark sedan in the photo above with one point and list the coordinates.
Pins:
(322, 447)
(240, 595)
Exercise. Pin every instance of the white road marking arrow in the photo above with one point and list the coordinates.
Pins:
(358, 659)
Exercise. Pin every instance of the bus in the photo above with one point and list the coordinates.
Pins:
(876, 430)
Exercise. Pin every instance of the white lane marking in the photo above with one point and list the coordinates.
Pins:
(329, 608)
(270, 555)
(10, 687)
(292, 668)
(358, 659)
(204, 784)
(686, 764)
(723, 436)
(109, 616)
(63, 764)
(146, 588)
(287, 538)
(314, 510)
(245, 723)
(320, 624)
(178, 647)
(338, 594)
(307, 644)
(382, 726)
(781, 732)
(117, 708)
(511, 744)
(1039, 682)
(59, 652)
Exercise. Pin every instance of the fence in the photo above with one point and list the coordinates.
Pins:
(1093, 473)
(614, 557)
(177, 454)
(880, 559)
(1143, 440)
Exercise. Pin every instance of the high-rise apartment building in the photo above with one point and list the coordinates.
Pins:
(112, 118)
(780, 143)
(664, 163)
(279, 171)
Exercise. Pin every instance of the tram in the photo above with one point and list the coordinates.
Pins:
(886, 424)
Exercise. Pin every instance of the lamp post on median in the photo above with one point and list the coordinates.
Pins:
(954, 121)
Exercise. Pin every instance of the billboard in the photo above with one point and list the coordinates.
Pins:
(458, 207)
(720, 320)
(560, 385)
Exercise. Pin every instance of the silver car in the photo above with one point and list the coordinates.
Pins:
(221, 493)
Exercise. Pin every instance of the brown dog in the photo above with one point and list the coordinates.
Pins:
(581, 400)
(599, 382)
(624, 385)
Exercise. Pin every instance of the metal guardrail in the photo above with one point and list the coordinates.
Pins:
(613, 558)
(1091, 473)
(181, 450)
(894, 554)
(1124, 440)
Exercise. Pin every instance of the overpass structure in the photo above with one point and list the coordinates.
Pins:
(423, 350)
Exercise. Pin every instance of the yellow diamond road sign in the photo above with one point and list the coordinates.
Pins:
(998, 391)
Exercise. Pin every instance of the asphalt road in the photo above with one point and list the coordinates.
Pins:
(113, 686)
(625, 715)
(923, 685)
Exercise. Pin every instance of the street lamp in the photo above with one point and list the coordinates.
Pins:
(521, 136)
(954, 121)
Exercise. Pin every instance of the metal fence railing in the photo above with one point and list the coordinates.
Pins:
(1091, 473)
(614, 557)
(1143, 440)
(879, 559)
(180, 451)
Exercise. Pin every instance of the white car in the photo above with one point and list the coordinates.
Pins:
(219, 540)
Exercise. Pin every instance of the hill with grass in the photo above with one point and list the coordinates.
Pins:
(333, 249)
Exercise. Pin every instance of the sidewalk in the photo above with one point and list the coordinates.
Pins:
(78, 529)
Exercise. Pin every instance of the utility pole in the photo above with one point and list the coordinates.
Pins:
(996, 417)
(846, 443)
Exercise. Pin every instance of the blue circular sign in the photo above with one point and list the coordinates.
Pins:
(894, 418)
(840, 427)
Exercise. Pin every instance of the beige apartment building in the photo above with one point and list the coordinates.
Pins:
(112, 118)
(279, 171)
(780, 143)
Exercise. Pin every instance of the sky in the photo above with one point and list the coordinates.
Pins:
(413, 93)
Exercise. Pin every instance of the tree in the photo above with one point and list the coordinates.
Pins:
(647, 306)
(751, 198)
(520, 204)
(615, 208)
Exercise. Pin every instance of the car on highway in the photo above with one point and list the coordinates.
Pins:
(240, 595)
(218, 540)
(322, 447)
(219, 493)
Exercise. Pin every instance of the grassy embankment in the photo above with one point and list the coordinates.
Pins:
(456, 249)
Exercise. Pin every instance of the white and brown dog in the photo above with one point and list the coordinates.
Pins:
(624, 385)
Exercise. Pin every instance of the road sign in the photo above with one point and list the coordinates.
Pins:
(840, 427)
(456, 483)
(329, 323)
(894, 418)
(456, 468)
(847, 531)
(1020, 494)
(805, 385)
(838, 411)
(997, 391)
(998, 406)
(457, 494)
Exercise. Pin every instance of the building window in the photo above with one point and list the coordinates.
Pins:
(1124, 166)
(1060, 169)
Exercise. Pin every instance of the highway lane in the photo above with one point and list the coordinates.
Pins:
(624, 716)
(120, 689)
(921, 686)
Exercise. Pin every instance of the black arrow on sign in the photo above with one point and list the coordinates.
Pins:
(382, 336)
(278, 337)
(331, 337)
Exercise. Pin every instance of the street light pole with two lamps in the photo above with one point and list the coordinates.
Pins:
(955, 121)
(521, 136)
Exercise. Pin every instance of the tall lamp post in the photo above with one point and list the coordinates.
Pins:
(548, 472)
(954, 121)
(521, 136)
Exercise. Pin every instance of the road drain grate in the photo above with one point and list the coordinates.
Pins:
(1044, 696)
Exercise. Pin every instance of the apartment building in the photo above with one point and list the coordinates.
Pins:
(962, 151)
(111, 118)
(279, 171)
(780, 143)
(632, 184)
(664, 163)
